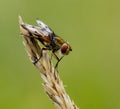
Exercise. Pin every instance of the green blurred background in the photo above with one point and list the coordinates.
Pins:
(91, 73)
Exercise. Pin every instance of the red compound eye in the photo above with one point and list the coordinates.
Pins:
(65, 48)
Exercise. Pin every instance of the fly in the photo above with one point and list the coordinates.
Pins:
(49, 39)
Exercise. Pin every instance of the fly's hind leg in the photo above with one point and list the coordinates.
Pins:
(36, 60)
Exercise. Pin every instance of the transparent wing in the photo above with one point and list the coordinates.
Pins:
(45, 29)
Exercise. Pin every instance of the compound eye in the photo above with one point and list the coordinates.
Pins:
(65, 48)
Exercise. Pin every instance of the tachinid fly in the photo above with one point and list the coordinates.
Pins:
(49, 39)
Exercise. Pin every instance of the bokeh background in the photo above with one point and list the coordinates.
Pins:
(91, 72)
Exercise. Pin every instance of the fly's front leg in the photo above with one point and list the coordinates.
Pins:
(58, 60)
(56, 66)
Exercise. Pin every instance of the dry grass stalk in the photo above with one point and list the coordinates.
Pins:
(51, 81)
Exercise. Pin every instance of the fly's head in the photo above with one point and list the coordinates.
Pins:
(65, 48)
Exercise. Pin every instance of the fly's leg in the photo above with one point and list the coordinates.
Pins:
(56, 66)
(36, 60)
(58, 60)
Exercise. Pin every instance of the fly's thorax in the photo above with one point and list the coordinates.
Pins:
(65, 48)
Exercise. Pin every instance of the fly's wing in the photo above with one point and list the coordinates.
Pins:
(42, 32)
(36, 32)
(45, 29)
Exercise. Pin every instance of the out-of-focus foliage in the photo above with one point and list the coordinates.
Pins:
(91, 73)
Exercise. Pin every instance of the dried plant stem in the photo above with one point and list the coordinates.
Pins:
(51, 81)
